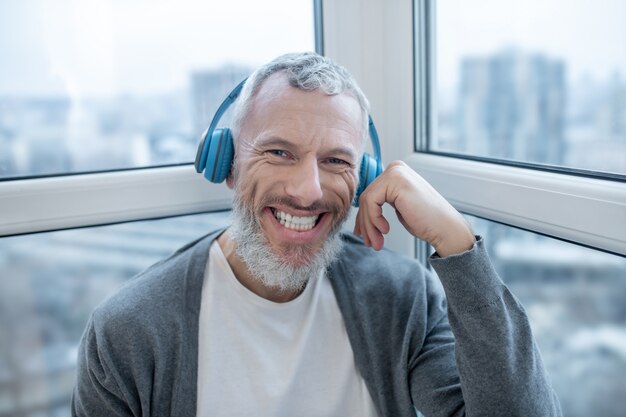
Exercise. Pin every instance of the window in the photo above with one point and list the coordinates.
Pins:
(100, 85)
(106, 85)
(373, 40)
(49, 285)
(576, 302)
(484, 116)
(520, 121)
(532, 81)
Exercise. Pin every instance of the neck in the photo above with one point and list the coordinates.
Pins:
(246, 278)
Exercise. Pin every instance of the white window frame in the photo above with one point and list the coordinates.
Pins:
(374, 40)
(63, 202)
(588, 211)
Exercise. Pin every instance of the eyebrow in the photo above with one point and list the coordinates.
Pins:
(346, 152)
(276, 141)
(288, 145)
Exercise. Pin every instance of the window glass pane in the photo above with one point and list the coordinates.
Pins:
(533, 81)
(576, 302)
(49, 285)
(91, 85)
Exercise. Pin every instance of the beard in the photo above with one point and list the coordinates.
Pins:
(291, 270)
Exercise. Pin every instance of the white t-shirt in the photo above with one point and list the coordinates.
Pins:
(258, 357)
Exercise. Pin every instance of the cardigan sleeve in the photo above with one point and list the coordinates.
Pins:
(480, 360)
(97, 392)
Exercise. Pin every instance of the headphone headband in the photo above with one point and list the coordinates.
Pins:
(374, 139)
(200, 162)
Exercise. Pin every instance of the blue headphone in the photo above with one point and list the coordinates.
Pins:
(216, 151)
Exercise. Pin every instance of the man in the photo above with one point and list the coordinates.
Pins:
(282, 315)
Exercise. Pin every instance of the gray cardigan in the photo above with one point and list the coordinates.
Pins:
(139, 352)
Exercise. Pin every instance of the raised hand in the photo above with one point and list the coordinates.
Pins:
(419, 207)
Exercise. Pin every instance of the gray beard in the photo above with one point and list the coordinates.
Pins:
(267, 266)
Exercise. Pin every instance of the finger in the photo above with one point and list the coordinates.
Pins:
(382, 224)
(357, 229)
(368, 219)
(373, 217)
(377, 240)
(372, 222)
(361, 226)
(375, 236)
(365, 236)
(402, 221)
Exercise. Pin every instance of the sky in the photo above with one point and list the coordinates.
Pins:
(590, 36)
(106, 47)
(111, 47)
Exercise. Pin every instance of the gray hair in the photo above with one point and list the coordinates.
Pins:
(307, 71)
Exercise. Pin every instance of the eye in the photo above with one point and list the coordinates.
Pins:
(278, 152)
(337, 161)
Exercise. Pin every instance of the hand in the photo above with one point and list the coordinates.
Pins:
(419, 207)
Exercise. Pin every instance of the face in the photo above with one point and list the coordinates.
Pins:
(297, 156)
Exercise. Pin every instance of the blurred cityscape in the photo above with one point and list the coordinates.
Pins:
(509, 105)
(55, 135)
(575, 298)
(520, 106)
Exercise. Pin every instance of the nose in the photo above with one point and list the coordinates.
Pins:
(303, 183)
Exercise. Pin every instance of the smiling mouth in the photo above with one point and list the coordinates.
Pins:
(291, 222)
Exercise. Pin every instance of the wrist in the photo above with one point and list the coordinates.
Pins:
(460, 238)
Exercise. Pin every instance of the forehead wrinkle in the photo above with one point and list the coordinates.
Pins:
(277, 89)
(344, 119)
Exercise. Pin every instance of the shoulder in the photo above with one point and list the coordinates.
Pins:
(157, 295)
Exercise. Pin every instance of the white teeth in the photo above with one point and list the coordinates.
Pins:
(295, 222)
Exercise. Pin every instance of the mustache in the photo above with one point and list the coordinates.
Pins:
(292, 203)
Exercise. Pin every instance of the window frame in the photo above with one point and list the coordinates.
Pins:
(374, 41)
(576, 209)
(69, 201)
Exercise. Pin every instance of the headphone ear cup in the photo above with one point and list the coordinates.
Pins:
(201, 154)
(219, 158)
(368, 171)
